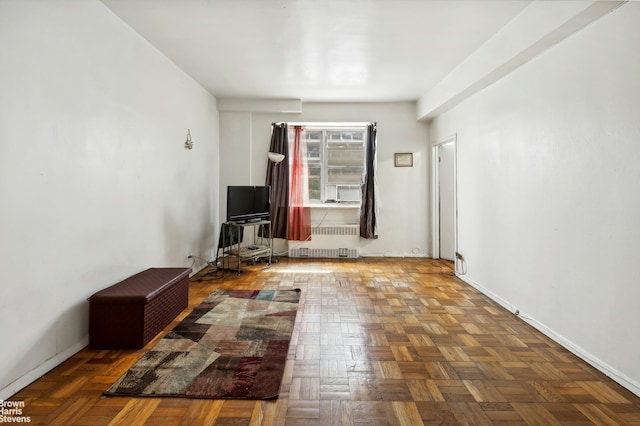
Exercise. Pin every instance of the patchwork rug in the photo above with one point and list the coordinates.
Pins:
(232, 345)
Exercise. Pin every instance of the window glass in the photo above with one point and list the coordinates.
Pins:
(335, 162)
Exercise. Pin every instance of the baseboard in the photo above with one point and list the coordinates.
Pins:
(200, 263)
(499, 300)
(595, 362)
(42, 369)
(397, 255)
(197, 268)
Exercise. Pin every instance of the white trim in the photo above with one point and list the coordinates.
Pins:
(320, 205)
(435, 194)
(195, 269)
(395, 255)
(592, 360)
(499, 300)
(435, 202)
(330, 125)
(42, 369)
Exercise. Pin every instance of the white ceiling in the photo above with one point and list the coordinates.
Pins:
(317, 50)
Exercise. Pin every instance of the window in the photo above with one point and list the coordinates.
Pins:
(335, 161)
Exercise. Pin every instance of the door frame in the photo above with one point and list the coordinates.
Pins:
(435, 193)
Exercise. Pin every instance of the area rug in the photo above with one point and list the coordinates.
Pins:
(232, 345)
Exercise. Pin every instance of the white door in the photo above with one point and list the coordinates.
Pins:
(447, 200)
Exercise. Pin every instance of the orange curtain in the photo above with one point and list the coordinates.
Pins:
(299, 211)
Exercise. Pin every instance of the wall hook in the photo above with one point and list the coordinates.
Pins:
(188, 143)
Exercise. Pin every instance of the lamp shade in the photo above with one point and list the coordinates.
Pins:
(275, 157)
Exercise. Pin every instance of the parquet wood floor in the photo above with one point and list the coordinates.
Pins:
(376, 342)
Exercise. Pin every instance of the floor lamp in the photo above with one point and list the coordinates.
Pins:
(276, 159)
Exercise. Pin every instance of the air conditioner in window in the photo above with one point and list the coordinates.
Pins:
(348, 193)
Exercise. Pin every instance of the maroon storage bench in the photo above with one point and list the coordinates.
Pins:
(129, 314)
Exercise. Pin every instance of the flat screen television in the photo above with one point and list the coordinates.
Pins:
(248, 203)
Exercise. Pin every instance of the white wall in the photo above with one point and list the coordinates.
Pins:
(403, 220)
(95, 183)
(549, 207)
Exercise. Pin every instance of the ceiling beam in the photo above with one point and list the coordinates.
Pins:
(538, 27)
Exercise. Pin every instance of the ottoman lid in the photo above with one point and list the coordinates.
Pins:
(141, 287)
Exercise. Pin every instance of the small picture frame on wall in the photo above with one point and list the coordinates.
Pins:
(404, 159)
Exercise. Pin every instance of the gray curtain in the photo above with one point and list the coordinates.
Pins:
(368, 226)
(278, 179)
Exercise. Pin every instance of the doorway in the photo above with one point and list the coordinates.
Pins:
(444, 211)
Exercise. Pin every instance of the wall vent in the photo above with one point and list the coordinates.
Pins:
(343, 252)
(335, 230)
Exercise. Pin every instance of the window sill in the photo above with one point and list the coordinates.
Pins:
(319, 205)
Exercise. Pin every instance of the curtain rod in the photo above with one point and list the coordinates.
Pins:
(327, 124)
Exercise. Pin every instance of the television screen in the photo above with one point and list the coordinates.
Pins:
(248, 203)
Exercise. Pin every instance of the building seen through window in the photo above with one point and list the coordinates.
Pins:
(335, 162)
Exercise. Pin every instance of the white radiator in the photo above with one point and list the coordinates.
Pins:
(329, 241)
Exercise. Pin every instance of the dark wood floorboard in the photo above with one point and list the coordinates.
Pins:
(376, 342)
